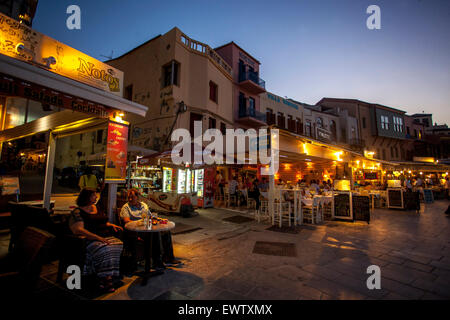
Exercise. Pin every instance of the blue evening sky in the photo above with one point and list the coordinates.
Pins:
(308, 49)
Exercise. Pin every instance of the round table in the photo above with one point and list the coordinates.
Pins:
(146, 234)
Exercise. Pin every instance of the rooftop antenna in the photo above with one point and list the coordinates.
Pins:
(108, 57)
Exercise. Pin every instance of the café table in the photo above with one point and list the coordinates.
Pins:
(146, 234)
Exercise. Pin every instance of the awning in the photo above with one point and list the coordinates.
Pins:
(28, 72)
(140, 150)
(61, 123)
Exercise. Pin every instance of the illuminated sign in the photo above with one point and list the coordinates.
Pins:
(10, 86)
(23, 43)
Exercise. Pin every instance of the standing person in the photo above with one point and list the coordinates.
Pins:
(219, 185)
(447, 187)
(88, 180)
(254, 193)
(102, 251)
(232, 188)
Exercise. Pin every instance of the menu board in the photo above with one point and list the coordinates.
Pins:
(411, 200)
(9, 185)
(428, 195)
(395, 198)
(370, 175)
(361, 208)
(342, 205)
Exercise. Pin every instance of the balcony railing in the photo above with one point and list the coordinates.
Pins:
(252, 76)
(357, 142)
(251, 113)
(207, 51)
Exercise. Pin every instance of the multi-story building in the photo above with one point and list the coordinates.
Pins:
(247, 85)
(415, 139)
(381, 128)
(424, 118)
(281, 112)
(170, 69)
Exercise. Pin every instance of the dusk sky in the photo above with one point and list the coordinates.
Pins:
(308, 49)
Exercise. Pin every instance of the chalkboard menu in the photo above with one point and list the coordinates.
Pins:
(361, 208)
(395, 198)
(411, 200)
(428, 195)
(370, 175)
(342, 205)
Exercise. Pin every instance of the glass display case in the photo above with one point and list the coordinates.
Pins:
(168, 180)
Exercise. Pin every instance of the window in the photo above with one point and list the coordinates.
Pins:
(396, 152)
(20, 111)
(213, 91)
(308, 128)
(319, 122)
(170, 74)
(398, 124)
(415, 133)
(212, 123)
(251, 106)
(223, 128)
(392, 152)
(408, 131)
(364, 122)
(384, 123)
(128, 94)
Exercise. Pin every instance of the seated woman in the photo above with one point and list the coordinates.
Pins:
(132, 211)
(102, 251)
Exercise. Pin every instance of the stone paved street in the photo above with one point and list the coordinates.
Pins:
(412, 250)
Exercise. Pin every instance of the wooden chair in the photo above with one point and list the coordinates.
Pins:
(282, 212)
(229, 199)
(31, 252)
(263, 213)
(311, 212)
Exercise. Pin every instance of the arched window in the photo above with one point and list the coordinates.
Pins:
(319, 122)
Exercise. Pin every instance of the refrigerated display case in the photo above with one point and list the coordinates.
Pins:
(168, 180)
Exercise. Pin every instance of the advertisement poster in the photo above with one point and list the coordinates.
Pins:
(116, 152)
(209, 187)
(9, 185)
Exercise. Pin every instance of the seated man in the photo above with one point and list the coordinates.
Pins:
(132, 211)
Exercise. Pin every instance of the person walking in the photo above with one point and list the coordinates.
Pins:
(88, 180)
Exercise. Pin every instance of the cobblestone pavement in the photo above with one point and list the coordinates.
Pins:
(412, 250)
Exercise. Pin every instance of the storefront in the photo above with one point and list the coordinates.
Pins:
(51, 90)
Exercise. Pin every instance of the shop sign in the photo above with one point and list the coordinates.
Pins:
(23, 43)
(116, 152)
(10, 86)
(323, 134)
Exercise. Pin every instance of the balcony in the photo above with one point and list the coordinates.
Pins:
(251, 82)
(251, 117)
(357, 144)
(207, 51)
